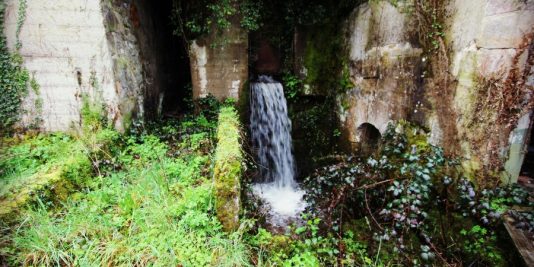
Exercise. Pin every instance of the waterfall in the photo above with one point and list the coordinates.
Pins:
(271, 137)
(271, 132)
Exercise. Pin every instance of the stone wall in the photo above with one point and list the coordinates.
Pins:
(481, 113)
(492, 50)
(68, 51)
(128, 71)
(385, 67)
(219, 63)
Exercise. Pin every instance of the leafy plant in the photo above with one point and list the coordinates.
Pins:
(13, 77)
(292, 86)
(194, 19)
(479, 246)
(402, 191)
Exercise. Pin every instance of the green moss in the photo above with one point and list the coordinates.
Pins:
(227, 171)
(54, 183)
(51, 167)
(127, 121)
(323, 59)
(416, 135)
(243, 103)
(123, 63)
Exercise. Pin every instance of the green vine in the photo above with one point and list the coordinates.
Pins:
(20, 21)
(14, 77)
(194, 19)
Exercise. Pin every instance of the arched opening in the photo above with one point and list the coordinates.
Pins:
(368, 137)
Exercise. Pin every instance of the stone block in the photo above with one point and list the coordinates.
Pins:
(495, 62)
(506, 30)
(495, 7)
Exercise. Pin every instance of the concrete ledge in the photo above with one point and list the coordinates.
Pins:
(227, 171)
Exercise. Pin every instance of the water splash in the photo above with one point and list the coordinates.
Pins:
(271, 137)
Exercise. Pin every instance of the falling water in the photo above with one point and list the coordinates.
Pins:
(271, 137)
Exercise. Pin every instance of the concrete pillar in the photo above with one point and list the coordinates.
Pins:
(219, 63)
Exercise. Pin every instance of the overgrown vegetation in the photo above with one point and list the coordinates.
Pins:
(164, 193)
(194, 19)
(147, 199)
(411, 205)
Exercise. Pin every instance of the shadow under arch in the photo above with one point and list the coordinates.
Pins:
(368, 137)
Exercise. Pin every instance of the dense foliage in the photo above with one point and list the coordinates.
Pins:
(414, 201)
(194, 19)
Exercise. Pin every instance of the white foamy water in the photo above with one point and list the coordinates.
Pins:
(271, 137)
(285, 203)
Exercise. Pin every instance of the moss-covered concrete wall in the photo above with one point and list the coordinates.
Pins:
(228, 169)
(54, 183)
(492, 55)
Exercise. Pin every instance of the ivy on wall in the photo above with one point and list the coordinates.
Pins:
(197, 18)
(14, 78)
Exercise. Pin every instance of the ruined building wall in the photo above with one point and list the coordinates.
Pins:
(473, 92)
(70, 52)
(114, 51)
(385, 67)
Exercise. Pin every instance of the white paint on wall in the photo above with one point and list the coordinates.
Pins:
(201, 55)
(234, 92)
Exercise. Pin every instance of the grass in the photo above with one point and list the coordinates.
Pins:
(45, 166)
(19, 162)
(152, 205)
(136, 218)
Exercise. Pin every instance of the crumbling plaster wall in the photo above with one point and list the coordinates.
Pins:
(487, 40)
(70, 52)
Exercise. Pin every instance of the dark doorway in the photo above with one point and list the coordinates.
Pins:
(165, 59)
